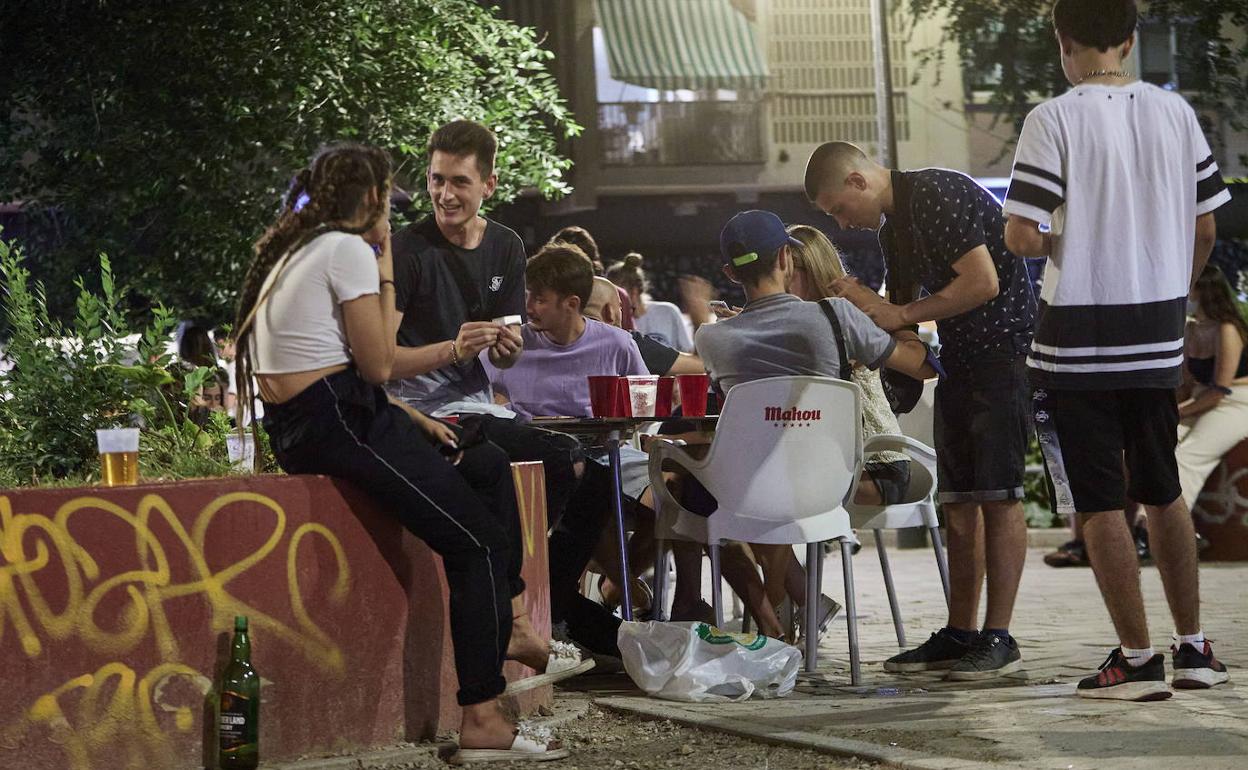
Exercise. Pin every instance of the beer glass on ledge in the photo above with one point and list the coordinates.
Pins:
(119, 456)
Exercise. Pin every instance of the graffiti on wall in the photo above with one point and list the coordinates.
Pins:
(1225, 496)
(55, 592)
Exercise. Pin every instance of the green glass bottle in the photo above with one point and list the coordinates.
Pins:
(238, 726)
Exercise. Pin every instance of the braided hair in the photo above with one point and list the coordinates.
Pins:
(323, 197)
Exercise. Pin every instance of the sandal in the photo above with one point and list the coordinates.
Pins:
(564, 661)
(1072, 554)
(533, 743)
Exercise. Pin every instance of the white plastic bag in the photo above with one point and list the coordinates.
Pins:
(699, 663)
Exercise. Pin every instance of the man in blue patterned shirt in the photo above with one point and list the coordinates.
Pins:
(944, 246)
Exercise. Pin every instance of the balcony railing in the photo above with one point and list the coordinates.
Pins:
(680, 133)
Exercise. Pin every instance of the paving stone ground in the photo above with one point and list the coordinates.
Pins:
(1031, 720)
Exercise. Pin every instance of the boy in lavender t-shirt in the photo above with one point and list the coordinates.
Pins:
(562, 348)
(560, 352)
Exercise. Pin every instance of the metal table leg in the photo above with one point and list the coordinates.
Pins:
(617, 503)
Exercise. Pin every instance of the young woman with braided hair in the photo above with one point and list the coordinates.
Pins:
(316, 324)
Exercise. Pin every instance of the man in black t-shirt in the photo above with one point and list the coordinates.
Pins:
(458, 276)
(943, 238)
(460, 290)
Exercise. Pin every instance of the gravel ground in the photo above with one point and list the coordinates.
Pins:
(602, 740)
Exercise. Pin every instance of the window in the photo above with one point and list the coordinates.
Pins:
(1172, 55)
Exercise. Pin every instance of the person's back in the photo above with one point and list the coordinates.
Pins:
(1123, 175)
(1121, 172)
(781, 335)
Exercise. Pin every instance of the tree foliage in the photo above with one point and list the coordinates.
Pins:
(1013, 40)
(163, 132)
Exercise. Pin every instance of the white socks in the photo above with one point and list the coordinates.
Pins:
(1138, 658)
(1197, 640)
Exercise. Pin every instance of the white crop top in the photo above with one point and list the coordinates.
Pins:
(299, 327)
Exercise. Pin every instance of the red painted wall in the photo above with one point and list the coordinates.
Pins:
(1222, 509)
(115, 608)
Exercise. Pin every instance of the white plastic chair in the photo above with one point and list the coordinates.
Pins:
(917, 509)
(777, 481)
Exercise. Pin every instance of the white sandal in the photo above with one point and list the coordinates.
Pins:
(533, 743)
(564, 661)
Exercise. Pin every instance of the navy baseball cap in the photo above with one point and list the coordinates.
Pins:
(751, 235)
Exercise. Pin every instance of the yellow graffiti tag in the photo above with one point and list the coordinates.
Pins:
(149, 587)
(110, 712)
(530, 493)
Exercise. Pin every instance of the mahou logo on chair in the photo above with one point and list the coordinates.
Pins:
(791, 416)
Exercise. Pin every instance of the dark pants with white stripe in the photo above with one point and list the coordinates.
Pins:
(341, 426)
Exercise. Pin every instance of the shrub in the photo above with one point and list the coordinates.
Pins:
(68, 379)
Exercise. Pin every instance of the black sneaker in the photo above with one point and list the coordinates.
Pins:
(1142, 550)
(1119, 680)
(938, 653)
(989, 657)
(1197, 669)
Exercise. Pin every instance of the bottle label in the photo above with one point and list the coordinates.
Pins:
(234, 732)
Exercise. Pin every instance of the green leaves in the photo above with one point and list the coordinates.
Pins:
(67, 380)
(165, 138)
(1009, 48)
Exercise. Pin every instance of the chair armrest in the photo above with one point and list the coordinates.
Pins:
(891, 442)
(666, 506)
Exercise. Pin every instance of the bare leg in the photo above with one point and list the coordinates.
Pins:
(1005, 549)
(742, 574)
(525, 645)
(777, 561)
(1111, 550)
(485, 727)
(688, 592)
(1172, 539)
(966, 563)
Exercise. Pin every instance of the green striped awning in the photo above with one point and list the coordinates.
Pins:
(671, 44)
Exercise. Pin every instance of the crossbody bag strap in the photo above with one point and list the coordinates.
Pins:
(826, 306)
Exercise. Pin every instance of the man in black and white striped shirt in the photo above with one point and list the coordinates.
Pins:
(1115, 183)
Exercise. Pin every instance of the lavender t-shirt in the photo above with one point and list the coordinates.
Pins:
(549, 379)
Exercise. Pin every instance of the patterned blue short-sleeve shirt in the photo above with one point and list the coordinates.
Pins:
(950, 215)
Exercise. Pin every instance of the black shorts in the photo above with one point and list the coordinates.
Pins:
(981, 431)
(1103, 446)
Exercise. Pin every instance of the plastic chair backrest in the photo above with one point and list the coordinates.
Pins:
(786, 447)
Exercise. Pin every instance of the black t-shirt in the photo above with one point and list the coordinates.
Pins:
(433, 306)
(944, 215)
(658, 357)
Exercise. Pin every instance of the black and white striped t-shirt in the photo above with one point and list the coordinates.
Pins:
(1120, 173)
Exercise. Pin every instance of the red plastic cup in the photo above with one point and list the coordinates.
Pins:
(693, 388)
(663, 407)
(453, 419)
(604, 395)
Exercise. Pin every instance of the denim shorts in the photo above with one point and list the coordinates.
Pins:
(982, 425)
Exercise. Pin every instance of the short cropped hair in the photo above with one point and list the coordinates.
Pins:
(1099, 24)
(752, 272)
(466, 137)
(831, 161)
(563, 269)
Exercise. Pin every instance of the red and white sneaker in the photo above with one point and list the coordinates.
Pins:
(1119, 680)
(1197, 669)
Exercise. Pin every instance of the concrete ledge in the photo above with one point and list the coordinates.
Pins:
(116, 606)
